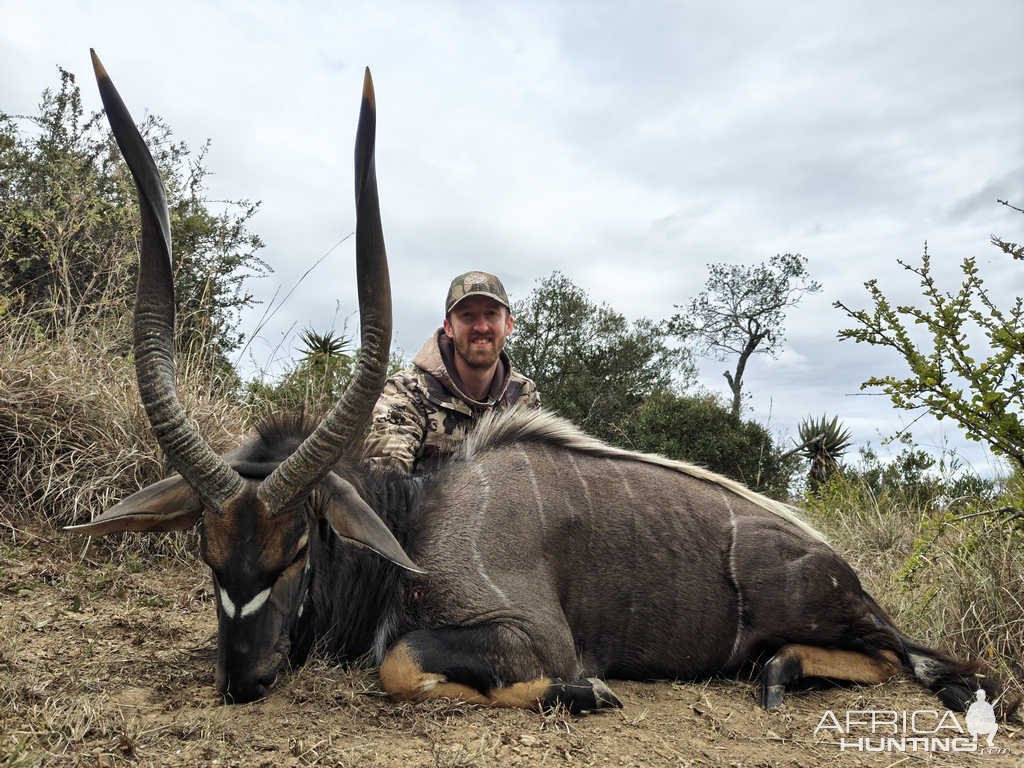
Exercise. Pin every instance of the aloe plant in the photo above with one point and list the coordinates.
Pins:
(823, 441)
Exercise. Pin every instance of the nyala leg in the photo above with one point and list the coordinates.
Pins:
(483, 665)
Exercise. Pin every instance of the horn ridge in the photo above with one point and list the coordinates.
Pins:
(337, 432)
(211, 476)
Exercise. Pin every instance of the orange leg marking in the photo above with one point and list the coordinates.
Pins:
(845, 665)
(403, 678)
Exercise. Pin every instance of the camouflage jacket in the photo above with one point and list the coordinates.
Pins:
(422, 415)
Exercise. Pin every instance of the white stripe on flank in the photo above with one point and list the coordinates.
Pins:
(583, 482)
(485, 488)
(255, 604)
(624, 484)
(559, 469)
(622, 478)
(734, 576)
(536, 489)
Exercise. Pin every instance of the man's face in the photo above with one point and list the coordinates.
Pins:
(478, 326)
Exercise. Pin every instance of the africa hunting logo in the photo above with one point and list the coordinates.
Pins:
(922, 730)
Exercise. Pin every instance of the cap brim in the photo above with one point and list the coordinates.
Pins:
(486, 294)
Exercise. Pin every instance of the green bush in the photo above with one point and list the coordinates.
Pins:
(590, 364)
(963, 353)
(69, 229)
(316, 381)
(700, 429)
(914, 477)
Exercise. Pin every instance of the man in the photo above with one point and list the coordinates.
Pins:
(461, 373)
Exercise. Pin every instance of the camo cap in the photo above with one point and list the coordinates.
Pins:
(475, 284)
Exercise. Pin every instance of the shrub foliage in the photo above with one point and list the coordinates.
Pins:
(701, 429)
(69, 227)
(590, 364)
(981, 390)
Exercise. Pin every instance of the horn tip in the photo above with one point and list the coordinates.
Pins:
(97, 65)
(368, 88)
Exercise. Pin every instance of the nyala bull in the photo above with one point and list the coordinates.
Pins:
(534, 563)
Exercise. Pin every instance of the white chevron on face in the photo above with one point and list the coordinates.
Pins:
(225, 601)
(233, 612)
(255, 604)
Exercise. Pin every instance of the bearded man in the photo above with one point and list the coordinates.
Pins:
(461, 373)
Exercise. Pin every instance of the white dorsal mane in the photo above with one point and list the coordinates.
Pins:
(518, 424)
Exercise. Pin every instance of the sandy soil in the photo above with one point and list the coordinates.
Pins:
(106, 663)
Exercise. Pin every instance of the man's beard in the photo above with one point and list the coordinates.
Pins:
(478, 357)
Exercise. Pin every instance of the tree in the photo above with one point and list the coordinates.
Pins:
(742, 310)
(701, 430)
(982, 392)
(65, 218)
(589, 363)
(69, 227)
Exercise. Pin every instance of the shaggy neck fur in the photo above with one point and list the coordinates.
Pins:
(354, 594)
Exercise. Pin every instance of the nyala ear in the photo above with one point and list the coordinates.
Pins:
(168, 505)
(352, 518)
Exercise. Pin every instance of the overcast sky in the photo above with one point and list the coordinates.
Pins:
(627, 145)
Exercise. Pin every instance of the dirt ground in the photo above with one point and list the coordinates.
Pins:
(111, 662)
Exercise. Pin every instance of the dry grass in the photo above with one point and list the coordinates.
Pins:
(953, 580)
(73, 435)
